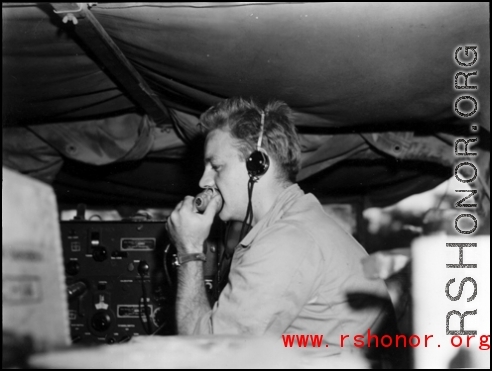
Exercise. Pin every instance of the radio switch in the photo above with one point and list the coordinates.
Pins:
(95, 238)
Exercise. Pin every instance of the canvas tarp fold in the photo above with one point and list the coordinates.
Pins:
(365, 81)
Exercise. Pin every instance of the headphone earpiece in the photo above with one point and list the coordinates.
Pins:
(258, 162)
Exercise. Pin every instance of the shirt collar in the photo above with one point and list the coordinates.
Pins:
(284, 198)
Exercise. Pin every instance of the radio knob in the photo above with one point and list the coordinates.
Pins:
(72, 268)
(76, 290)
(99, 253)
(101, 321)
(143, 268)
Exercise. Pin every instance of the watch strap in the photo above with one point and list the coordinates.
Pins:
(185, 258)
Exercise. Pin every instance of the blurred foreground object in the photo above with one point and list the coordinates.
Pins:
(394, 268)
(35, 315)
(384, 264)
(192, 352)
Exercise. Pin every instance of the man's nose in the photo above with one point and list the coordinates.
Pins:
(206, 180)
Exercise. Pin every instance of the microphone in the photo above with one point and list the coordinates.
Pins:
(203, 199)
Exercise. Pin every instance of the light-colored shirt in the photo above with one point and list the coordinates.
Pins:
(298, 272)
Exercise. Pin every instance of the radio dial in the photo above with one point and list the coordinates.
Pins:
(99, 253)
(101, 321)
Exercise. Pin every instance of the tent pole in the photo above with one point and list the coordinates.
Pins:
(95, 37)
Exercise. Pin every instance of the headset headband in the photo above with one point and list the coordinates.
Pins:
(260, 138)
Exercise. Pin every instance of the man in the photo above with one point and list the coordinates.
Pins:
(296, 271)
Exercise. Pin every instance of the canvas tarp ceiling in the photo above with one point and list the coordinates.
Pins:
(371, 86)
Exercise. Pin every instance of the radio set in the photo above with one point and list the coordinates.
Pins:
(121, 281)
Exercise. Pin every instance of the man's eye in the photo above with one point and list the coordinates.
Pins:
(216, 167)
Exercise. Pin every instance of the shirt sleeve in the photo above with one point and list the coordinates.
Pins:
(269, 283)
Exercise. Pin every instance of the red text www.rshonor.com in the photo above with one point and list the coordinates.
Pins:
(371, 340)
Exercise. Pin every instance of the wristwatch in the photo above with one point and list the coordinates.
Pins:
(180, 259)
